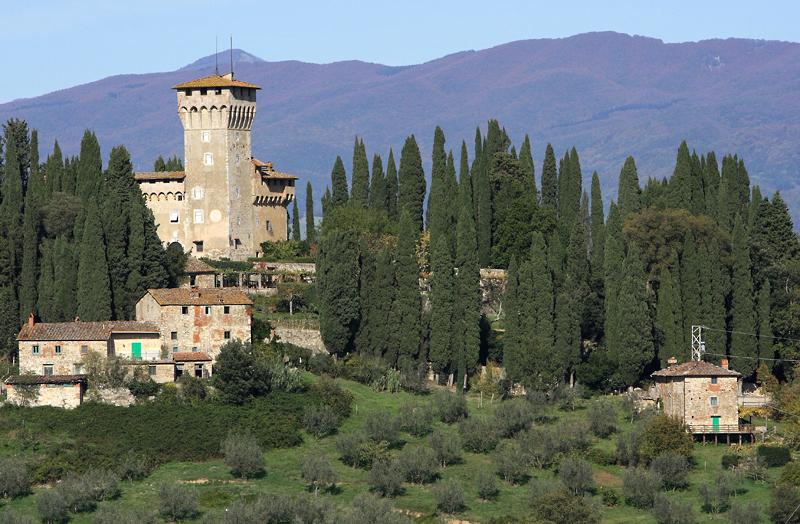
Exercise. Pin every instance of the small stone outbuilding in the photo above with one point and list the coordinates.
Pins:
(63, 391)
(703, 395)
(200, 274)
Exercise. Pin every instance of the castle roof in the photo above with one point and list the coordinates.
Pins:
(160, 175)
(83, 330)
(194, 265)
(215, 81)
(191, 356)
(695, 368)
(47, 379)
(266, 170)
(203, 296)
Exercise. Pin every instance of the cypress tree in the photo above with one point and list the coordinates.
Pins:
(682, 332)
(765, 339)
(476, 166)
(406, 311)
(567, 336)
(68, 182)
(569, 194)
(549, 178)
(46, 285)
(134, 284)
(436, 214)
(383, 296)
(630, 193)
(711, 184)
(411, 196)
(636, 349)
(743, 185)
(482, 191)
(295, 222)
(94, 287)
(359, 196)
(90, 168)
(526, 162)
(465, 184)
(9, 324)
(54, 170)
(339, 195)
(362, 340)
(325, 201)
(337, 288)
(555, 262)
(541, 359)
(442, 354)
(690, 288)
(378, 191)
(725, 211)
(154, 273)
(468, 282)
(120, 186)
(614, 256)
(392, 187)
(311, 232)
(596, 300)
(698, 199)
(756, 213)
(513, 336)
(778, 230)
(451, 204)
(705, 288)
(159, 165)
(11, 216)
(743, 318)
(65, 266)
(716, 339)
(680, 185)
(28, 292)
(667, 302)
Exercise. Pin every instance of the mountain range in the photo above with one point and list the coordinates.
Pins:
(610, 95)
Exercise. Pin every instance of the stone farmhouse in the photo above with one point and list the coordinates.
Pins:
(226, 203)
(703, 395)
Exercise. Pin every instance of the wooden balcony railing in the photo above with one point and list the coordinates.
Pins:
(721, 428)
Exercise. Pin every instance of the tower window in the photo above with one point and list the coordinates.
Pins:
(238, 220)
(173, 335)
(198, 246)
(209, 159)
(47, 369)
(203, 91)
(208, 310)
(236, 191)
(151, 370)
(713, 381)
(58, 350)
(198, 216)
(180, 197)
(227, 335)
(713, 401)
(173, 217)
(218, 91)
(237, 136)
(198, 193)
(35, 350)
(188, 92)
(237, 159)
(258, 219)
(226, 310)
(206, 136)
(84, 350)
(184, 310)
(269, 226)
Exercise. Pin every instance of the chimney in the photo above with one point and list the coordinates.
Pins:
(77, 319)
(30, 320)
(724, 363)
(672, 363)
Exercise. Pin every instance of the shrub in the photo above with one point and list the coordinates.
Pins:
(541, 487)
(447, 447)
(451, 407)
(368, 509)
(639, 487)
(390, 381)
(368, 370)
(243, 454)
(673, 469)
(629, 447)
(370, 451)
(715, 498)
(192, 388)
(215, 499)
(385, 477)
(133, 466)
(486, 484)
(416, 419)
(382, 426)
(177, 501)
(414, 375)
(669, 511)
(319, 363)
(75, 493)
(730, 460)
(449, 495)
(8, 516)
(785, 500)
(330, 393)
(775, 456)
(577, 476)
(101, 485)
(601, 417)
(418, 463)
(564, 437)
(512, 416)
(51, 506)
(477, 436)
(319, 420)
(791, 474)
(315, 468)
(741, 513)
(665, 433)
(568, 396)
(509, 462)
(609, 496)
(144, 390)
(14, 479)
(348, 447)
(116, 514)
(281, 377)
(562, 507)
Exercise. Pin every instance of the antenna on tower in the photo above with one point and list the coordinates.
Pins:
(216, 55)
(698, 346)
(231, 57)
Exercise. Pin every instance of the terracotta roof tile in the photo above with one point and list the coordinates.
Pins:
(191, 356)
(50, 379)
(266, 170)
(194, 265)
(204, 296)
(160, 175)
(694, 368)
(214, 81)
(83, 330)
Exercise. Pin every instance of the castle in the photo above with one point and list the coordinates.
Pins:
(226, 203)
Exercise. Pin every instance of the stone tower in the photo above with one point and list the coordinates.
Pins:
(217, 114)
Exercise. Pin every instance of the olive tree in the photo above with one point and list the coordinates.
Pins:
(243, 454)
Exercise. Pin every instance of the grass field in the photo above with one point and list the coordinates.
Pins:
(217, 486)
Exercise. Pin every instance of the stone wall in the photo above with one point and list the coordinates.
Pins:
(59, 395)
(70, 353)
(697, 397)
(113, 396)
(305, 338)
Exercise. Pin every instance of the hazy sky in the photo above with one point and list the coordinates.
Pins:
(52, 44)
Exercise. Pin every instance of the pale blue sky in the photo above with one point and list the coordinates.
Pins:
(52, 44)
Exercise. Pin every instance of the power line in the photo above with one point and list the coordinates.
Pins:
(751, 358)
(750, 334)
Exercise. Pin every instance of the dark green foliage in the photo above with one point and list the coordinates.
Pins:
(51, 506)
(450, 407)
(144, 390)
(785, 500)
(392, 187)
(406, 309)
(549, 179)
(315, 469)
(378, 188)
(320, 420)
(577, 476)
(601, 416)
(381, 427)
(449, 495)
(349, 447)
(629, 196)
(416, 419)
(243, 454)
(439, 202)
(93, 286)
(664, 433)
(743, 313)
(671, 511)
(339, 196)
(673, 469)
(509, 462)
(14, 480)
(385, 477)
(775, 456)
(311, 231)
(359, 196)
(562, 507)
(337, 288)
(636, 348)
(716, 497)
(477, 436)
(90, 168)
(418, 463)
(159, 165)
(9, 516)
(486, 484)
(512, 416)
(447, 447)
(412, 185)
(680, 185)
(295, 222)
(442, 297)
(741, 513)
(640, 487)
(177, 501)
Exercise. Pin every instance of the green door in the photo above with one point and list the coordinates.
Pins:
(715, 423)
(136, 350)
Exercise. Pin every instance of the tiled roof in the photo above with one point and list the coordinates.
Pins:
(83, 330)
(214, 81)
(191, 356)
(694, 368)
(204, 296)
(50, 379)
(194, 265)
(267, 171)
(160, 175)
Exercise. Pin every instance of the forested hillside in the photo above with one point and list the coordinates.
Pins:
(606, 300)
(75, 240)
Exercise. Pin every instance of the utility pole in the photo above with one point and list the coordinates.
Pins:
(698, 346)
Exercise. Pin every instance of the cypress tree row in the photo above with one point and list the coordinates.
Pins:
(442, 353)
(339, 196)
(378, 189)
(743, 318)
(411, 177)
(436, 216)
(295, 222)
(392, 187)
(338, 289)
(359, 196)
(311, 231)
(407, 308)
(629, 196)
(93, 286)
(549, 178)
(636, 348)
